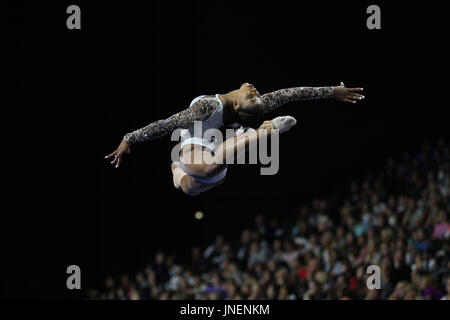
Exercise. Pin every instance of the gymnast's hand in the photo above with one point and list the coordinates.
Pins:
(124, 147)
(349, 95)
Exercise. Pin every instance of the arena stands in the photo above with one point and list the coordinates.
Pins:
(397, 219)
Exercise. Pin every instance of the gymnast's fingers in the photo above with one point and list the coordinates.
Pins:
(357, 96)
(349, 100)
(115, 160)
(110, 155)
(355, 89)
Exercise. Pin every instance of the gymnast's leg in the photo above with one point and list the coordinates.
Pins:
(188, 184)
(211, 164)
(227, 152)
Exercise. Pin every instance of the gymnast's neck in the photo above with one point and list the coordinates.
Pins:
(228, 102)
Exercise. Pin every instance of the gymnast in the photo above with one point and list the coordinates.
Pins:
(242, 110)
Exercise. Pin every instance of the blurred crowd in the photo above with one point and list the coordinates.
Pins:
(396, 219)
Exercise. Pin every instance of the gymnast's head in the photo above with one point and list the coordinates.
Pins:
(248, 105)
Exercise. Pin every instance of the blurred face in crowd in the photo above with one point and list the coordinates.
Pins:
(270, 292)
(418, 235)
(386, 264)
(350, 238)
(350, 222)
(159, 259)
(258, 269)
(361, 241)
(170, 261)
(340, 282)
(218, 242)
(195, 253)
(447, 286)
(411, 294)
(231, 288)
(272, 266)
(288, 246)
(333, 256)
(442, 217)
(283, 294)
(340, 233)
(400, 289)
(371, 234)
(360, 273)
(398, 257)
(384, 248)
(215, 280)
(266, 277)
(372, 246)
(415, 277)
(109, 282)
(399, 245)
(313, 240)
(302, 228)
(277, 245)
(312, 286)
(326, 239)
(254, 247)
(365, 208)
(411, 204)
(245, 236)
(313, 265)
(392, 202)
(426, 281)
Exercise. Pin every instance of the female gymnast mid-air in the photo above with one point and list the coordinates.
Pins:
(240, 110)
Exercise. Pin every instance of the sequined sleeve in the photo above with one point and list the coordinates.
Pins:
(276, 99)
(201, 110)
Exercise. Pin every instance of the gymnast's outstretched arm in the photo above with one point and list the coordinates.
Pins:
(199, 111)
(276, 99)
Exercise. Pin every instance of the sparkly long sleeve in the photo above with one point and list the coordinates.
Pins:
(276, 99)
(199, 111)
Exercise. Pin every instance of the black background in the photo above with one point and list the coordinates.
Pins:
(75, 93)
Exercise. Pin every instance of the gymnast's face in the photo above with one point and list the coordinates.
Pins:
(248, 99)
